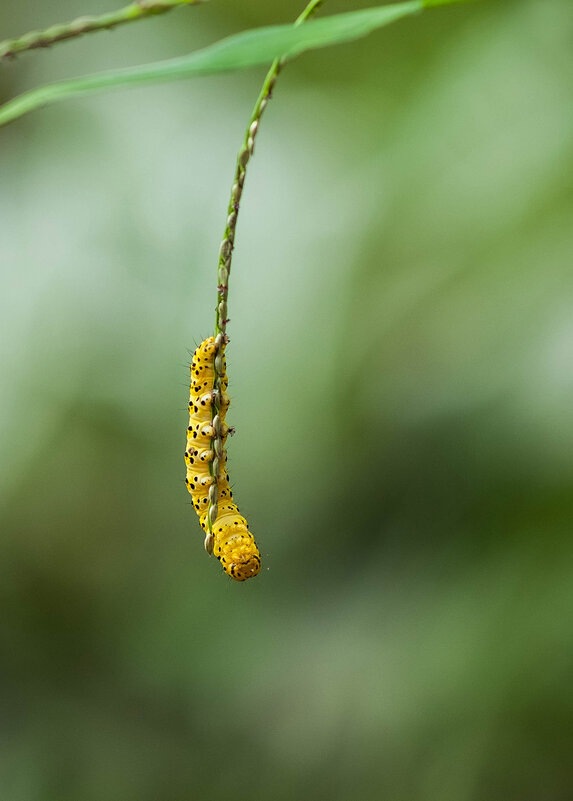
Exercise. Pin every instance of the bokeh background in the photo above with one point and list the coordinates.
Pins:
(401, 372)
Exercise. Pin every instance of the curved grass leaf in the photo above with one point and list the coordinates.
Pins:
(240, 51)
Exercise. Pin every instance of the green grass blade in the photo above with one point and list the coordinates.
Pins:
(237, 52)
(433, 3)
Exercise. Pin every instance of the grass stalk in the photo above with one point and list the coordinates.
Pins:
(228, 243)
(243, 157)
(89, 24)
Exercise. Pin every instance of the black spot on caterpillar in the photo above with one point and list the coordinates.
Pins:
(233, 544)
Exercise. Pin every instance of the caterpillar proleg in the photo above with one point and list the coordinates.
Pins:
(227, 534)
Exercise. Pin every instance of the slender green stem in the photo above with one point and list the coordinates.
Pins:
(226, 252)
(59, 33)
(245, 153)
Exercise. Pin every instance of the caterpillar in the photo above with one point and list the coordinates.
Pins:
(228, 536)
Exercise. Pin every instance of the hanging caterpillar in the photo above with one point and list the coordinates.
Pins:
(228, 537)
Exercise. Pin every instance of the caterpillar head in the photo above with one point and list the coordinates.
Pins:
(239, 555)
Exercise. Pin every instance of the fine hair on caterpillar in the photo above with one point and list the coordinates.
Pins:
(227, 533)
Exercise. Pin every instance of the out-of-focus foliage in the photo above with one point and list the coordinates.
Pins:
(404, 414)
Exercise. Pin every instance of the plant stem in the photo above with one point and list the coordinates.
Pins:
(226, 250)
(245, 153)
(58, 33)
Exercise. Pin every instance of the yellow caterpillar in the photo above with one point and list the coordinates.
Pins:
(229, 538)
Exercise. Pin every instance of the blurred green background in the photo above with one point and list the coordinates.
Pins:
(401, 372)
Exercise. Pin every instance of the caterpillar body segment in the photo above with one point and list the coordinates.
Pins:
(228, 538)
